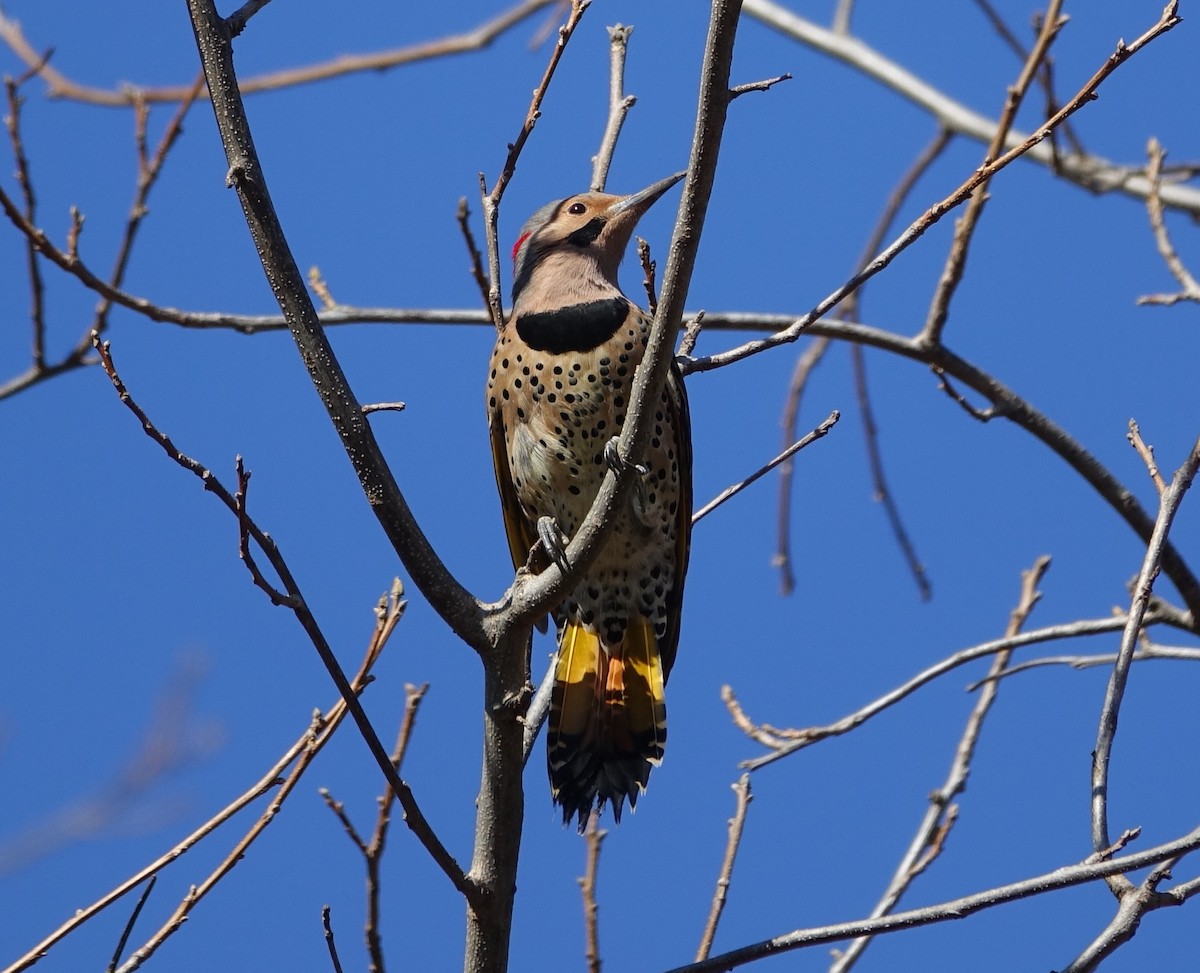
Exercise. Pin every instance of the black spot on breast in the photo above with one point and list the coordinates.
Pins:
(578, 327)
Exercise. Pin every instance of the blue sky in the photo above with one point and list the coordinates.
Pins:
(122, 570)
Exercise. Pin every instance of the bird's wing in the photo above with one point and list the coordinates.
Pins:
(682, 423)
(516, 525)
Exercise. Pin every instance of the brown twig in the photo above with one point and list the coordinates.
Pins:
(964, 229)
(942, 813)
(1045, 78)
(619, 104)
(819, 432)
(1083, 96)
(491, 198)
(741, 790)
(785, 742)
(1189, 288)
(691, 333)
(463, 215)
(1115, 692)
(132, 921)
(594, 835)
(806, 363)
(649, 266)
(816, 351)
(61, 86)
(1061, 878)
(1095, 174)
(983, 415)
(298, 756)
(1147, 454)
(374, 850)
(765, 85)
(320, 287)
(37, 311)
(296, 603)
(327, 927)
(149, 169)
(883, 493)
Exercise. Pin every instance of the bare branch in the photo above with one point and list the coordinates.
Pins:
(942, 813)
(618, 106)
(741, 788)
(883, 493)
(594, 836)
(1190, 289)
(818, 433)
(1147, 455)
(766, 85)
(61, 86)
(491, 199)
(298, 756)
(784, 742)
(1061, 878)
(1086, 170)
(477, 274)
(295, 601)
(133, 918)
(964, 229)
(327, 926)
(1106, 734)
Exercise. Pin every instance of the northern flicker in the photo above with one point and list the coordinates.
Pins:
(557, 394)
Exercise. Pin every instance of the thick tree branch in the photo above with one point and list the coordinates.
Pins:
(1061, 878)
(1084, 169)
(456, 606)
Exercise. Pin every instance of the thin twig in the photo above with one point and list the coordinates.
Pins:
(321, 727)
(816, 351)
(741, 789)
(883, 493)
(648, 274)
(297, 604)
(1061, 878)
(463, 216)
(1189, 288)
(374, 851)
(133, 918)
(1115, 692)
(942, 813)
(765, 85)
(594, 835)
(964, 228)
(619, 104)
(37, 311)
(236, 22)
(327, 926)
(1147, 454)
(475, 39)
(492, 197)
(1096, 174)
(1085, 95)
(784, 742)
(819, 432)
(803, 369)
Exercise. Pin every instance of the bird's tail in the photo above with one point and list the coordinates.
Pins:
(608, 719)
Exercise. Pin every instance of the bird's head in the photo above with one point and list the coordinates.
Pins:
(578, 242)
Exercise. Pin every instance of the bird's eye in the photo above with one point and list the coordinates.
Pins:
(577, 208)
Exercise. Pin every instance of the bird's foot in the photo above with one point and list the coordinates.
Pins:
(554, 541)
(615, 463)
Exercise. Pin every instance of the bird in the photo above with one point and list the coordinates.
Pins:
(558, 392)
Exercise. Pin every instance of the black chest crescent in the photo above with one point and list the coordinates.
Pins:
(578, 327)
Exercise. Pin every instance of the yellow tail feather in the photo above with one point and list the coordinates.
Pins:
(608, 718)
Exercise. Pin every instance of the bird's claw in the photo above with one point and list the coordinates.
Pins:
(554, 542)
(612, 457)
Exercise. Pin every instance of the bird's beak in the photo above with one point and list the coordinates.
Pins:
(632, 207)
